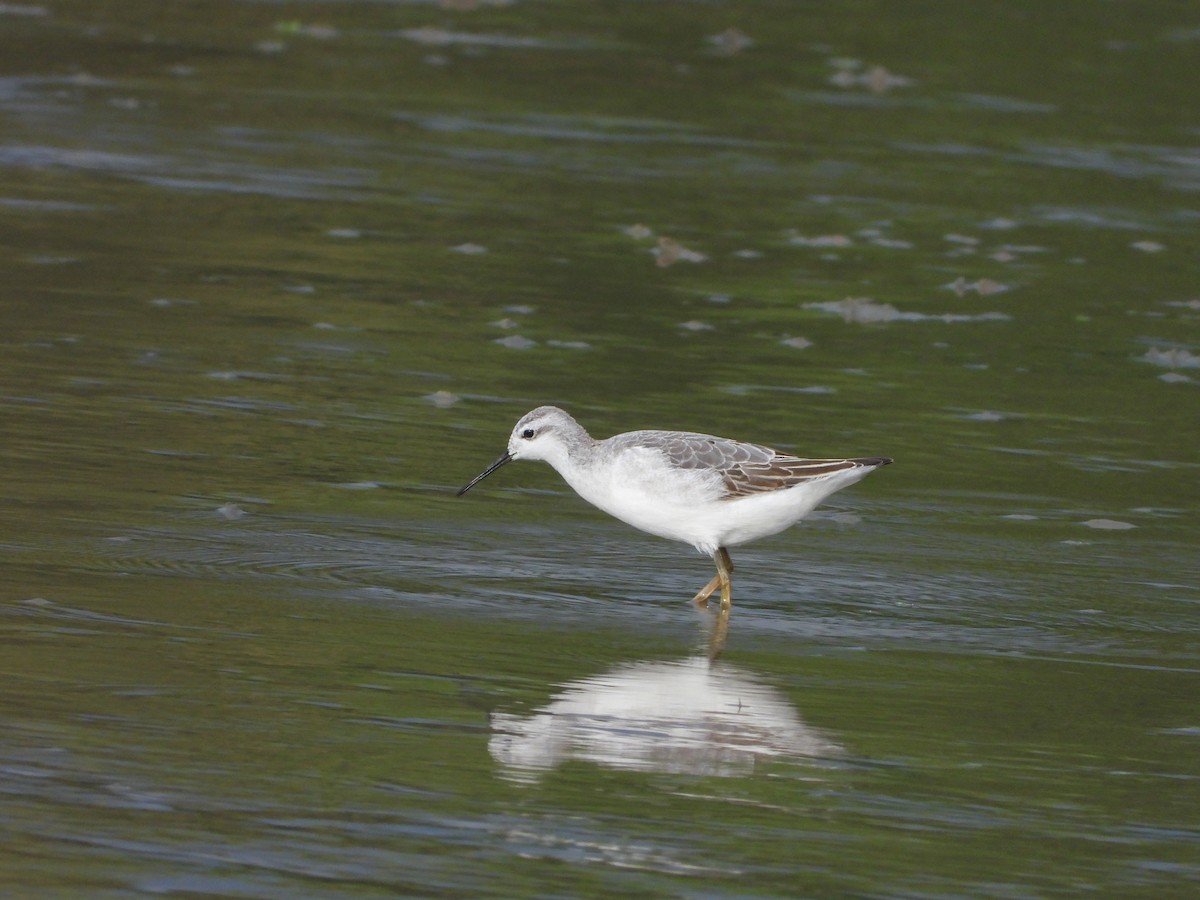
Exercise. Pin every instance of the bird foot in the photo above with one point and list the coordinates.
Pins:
(701, 599)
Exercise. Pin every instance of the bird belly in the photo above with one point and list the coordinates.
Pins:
(652, 498)
(745, 519)
(688, 505)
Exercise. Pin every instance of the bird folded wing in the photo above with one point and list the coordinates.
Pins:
(743, 479)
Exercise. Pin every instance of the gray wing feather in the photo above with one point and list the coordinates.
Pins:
(744, 469)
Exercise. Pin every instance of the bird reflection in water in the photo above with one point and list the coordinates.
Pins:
(691, 716)
(718, 629)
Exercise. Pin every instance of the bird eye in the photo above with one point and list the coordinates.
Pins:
(528, 433)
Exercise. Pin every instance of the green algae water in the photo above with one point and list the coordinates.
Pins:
(278, 278)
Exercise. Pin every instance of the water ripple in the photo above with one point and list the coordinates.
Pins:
(198, 173)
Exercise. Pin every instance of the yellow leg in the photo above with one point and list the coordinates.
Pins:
(721, 580)
(725, 574)
(701, 599)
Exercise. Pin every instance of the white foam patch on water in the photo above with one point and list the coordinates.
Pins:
(865, 311)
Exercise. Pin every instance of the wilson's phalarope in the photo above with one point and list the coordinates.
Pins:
(711, 492)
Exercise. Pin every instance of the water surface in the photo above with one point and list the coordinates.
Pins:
(279, 277)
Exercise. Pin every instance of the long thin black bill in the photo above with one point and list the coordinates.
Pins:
(504, 458)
